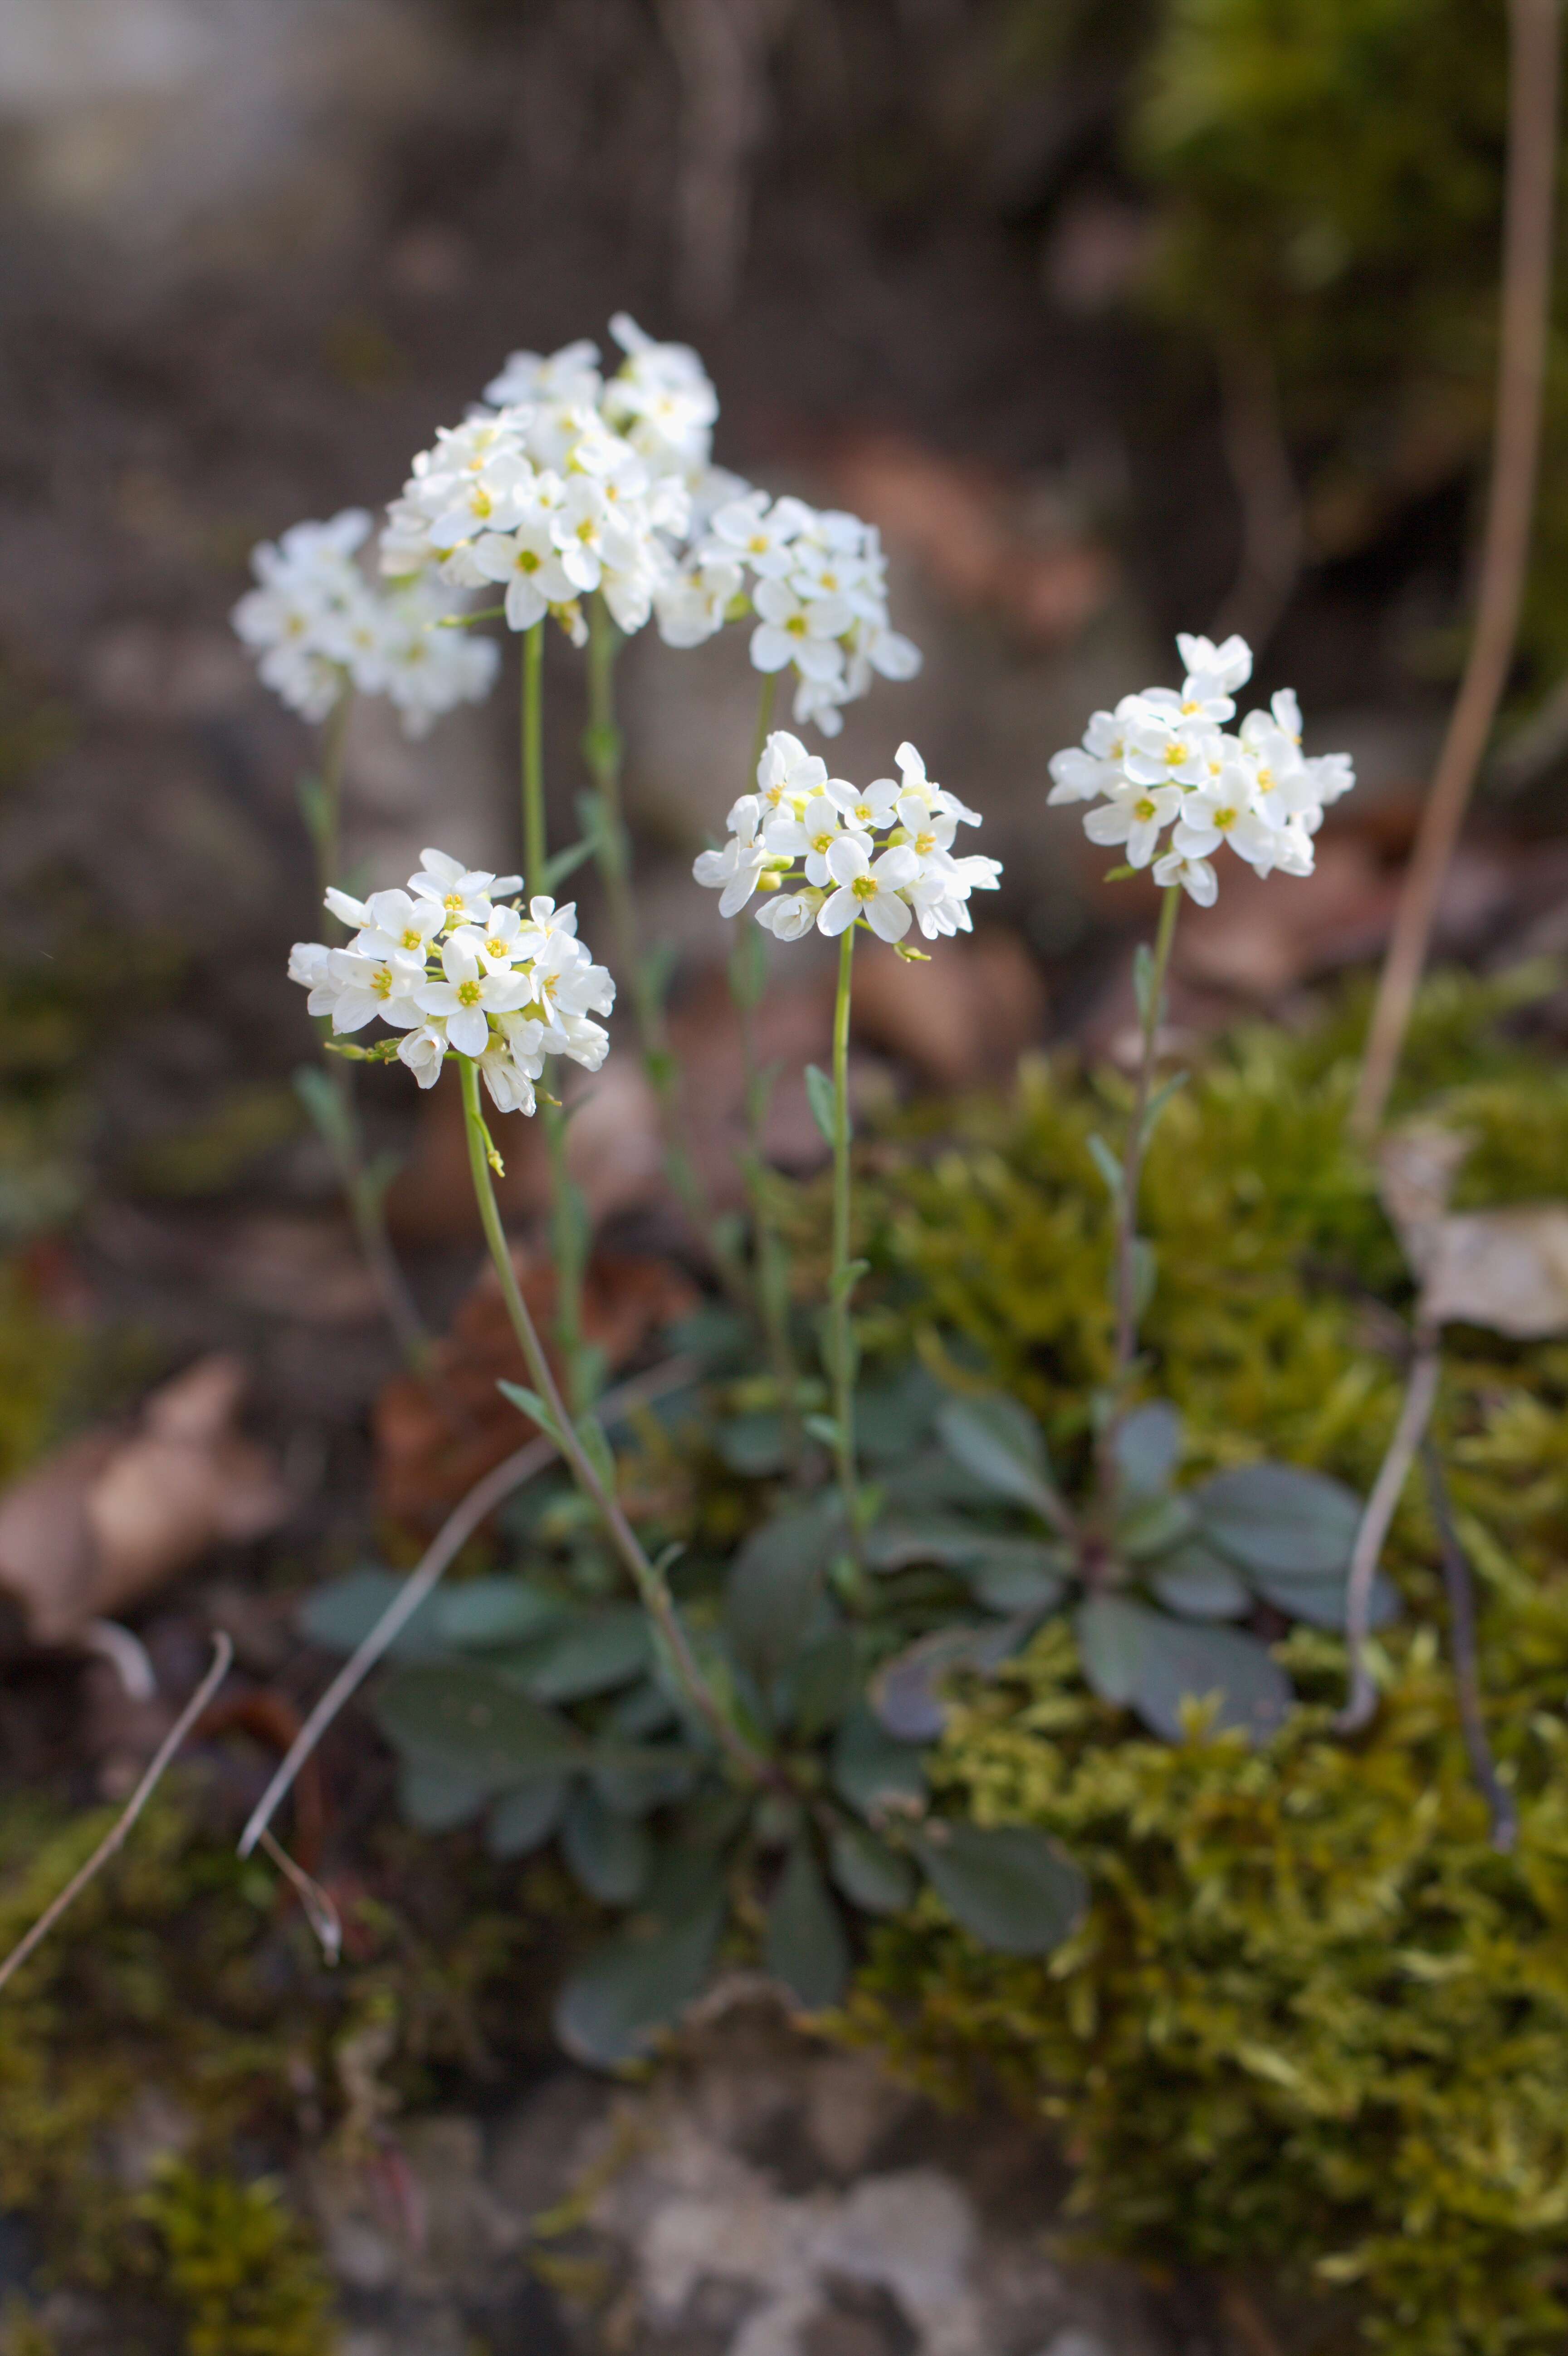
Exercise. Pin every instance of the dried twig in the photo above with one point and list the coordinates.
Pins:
(1247, 2321)
(453, 1535)
(115, 1838)
(315, 1901)
(1526, 301)
(1467, 1674)
(1419, 1396)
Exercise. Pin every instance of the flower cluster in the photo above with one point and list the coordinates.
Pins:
(565, 483)
(883, 853)
(319, 624)
(455, 963)
(1165, 759)
(817, 587)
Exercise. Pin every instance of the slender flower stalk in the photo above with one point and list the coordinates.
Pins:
(841, 1352)
(748, 974)
(328, 1096)
(650, 1584)
(1151, 1012)
(568, 1212)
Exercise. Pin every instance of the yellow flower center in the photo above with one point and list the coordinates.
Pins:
(822, 841)
(1174, 753)
(1144, 809)
(381, 981)
(528, 560)
(864, 887)
(1226, 819)
(453, 906)
(468, 993)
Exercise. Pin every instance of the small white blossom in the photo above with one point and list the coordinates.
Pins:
(1165, 759)
(845, 875)
(457, 965)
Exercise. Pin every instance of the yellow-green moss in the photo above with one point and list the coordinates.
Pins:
(243, 2268)
(1313, 2021)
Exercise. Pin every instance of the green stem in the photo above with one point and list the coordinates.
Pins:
(649, 1582)
(841, 1352)
(1151, 1012)
(362, 1191)
(771, 1260)
(566, 1220)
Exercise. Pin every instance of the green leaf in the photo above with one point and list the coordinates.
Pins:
(523, 1820)
(823, 1680)
(439, 1799)
(1154, 1112)
(907, 1691)
(1106, 1163)
(871, 1875)
(1275, 1517)
(563, 864)
(615, 2004)
(844, 1281)
(1143, 984)
(893, 1546)
(1008, 1885)
(773, 1585)
(1132, 1654)
(468, 1718)
(1320, 1602)
(824, 1428)
(805, 1946)
(1152, 1526)
(588, 1652)
(480, 1612)
(634, 1782)
(872, 1772)
(327, 1107)
(823, 1098)
(999, 1442)
(598, 1451)
(892, 1419)
(1109, 1630)
(1145, 1273)
(1016, 1575)
(529, 1403)
(1149, 1448)
(340, 1615)
(1196, 1585)
(609, 1854)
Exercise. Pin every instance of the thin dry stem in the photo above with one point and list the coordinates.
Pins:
(1521, 367)
(1420, 1397)
(448, 1542)
(115, 1837)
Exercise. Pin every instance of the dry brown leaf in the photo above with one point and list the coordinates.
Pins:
(122, 1511)
(436, 1436)
(1505, 1269)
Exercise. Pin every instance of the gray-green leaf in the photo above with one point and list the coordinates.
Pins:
(587, 1652)
(822, 1096)
(611, 1855)
(1275, 1517)
(439, 1799)
(615, 2004)
(470, 1720)
(1008, 1885)
(1149, 1448)
(871, 1771)
(773, 1585)
(871, 1875)
(1199, 1586)
(999, 1442)
(523, 1820)
(340, 1615)
(806, 1947)
(1132, 1654)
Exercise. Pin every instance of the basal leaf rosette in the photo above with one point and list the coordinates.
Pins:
(457, 963)
(823, 853)
(1164, 760)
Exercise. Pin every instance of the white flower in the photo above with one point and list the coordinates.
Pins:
(356, 989)
(868, 809)
(803, 631)
(790, 914)
(1135, 816)
(1196, 877)
(1224, 811)
(462, 894)
(733, 872)
(422, 1051)
(468, 996)
(868, 888)
(809, 837)
(1230, 664)
(693, 605)
(1078, 776)
(530, 564)
(1161, 754)
(307, 963)
(569, 375)
(788, 775)
(760, 531)
(911, 769)
(391, 923)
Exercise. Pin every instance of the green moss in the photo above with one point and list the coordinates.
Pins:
(244, 2269)
(1313, 2021)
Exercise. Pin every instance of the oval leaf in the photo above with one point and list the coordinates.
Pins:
(439, 1799)
(1180, 1663)
(906, 1692)
(482, 1611)
(588, 1653)
(1017, 1575)
(1275, 1517)
(1196, 1585)
(871, 1875)
(1008, 1885)
(999, 1442)
(872, 1772)
(1320, 1602)
(1149, 1448)
(1110, 1634)
(340, 1615)
(773, 1585)
(615, 2005)
(471, 1721)
(523, 1820)
(610, 1855)
(806, 1947)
